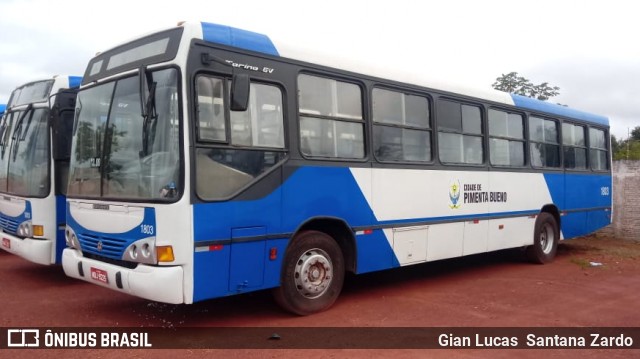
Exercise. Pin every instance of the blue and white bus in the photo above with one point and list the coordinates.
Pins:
(209, 161)
(35, 143)
(3, 107)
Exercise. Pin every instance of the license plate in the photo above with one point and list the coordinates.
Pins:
(99, 275)
(6, 242)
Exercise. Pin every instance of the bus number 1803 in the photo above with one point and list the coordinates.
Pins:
(146, 229)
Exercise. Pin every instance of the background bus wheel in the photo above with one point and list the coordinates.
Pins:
(545, 239)
(313, 274)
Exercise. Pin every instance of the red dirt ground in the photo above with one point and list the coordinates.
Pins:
(491, 290)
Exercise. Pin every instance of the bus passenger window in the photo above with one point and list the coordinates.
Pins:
(331, 123)
(506, 138)
(574, 146)
(401, 130)
(598, 150)
(459, 133)
(544, 144)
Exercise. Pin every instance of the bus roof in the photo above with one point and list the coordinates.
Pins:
(253, 41)
(40, 90)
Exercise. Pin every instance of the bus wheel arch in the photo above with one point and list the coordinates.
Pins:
(546, 235)
(314, 266)
(338, 230)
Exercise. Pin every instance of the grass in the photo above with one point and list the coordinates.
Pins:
(582, 263)
(600, 248)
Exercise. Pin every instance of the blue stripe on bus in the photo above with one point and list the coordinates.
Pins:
(550, 108)
(460, 218)
(75, 81)
(114, 243)
(243, 39)
(61, 220)
(10, 224)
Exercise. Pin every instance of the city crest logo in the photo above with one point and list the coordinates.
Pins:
(454, 194)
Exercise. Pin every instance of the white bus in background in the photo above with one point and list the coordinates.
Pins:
(35, 144)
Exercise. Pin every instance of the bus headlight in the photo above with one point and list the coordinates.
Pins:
(71, 238)
(25, 229)
(141, 251)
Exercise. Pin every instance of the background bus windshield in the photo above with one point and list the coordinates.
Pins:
(24, 166)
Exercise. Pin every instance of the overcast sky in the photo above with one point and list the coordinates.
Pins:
(587, 48)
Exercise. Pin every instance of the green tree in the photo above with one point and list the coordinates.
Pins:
(513, 83)
(635, 134)
(629, 148)
(615, 144)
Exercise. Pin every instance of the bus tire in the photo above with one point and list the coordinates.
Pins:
(545, 239)
(312, 275)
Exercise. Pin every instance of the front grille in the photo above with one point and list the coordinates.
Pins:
(109, 247)
(8, 225)
(121, 263)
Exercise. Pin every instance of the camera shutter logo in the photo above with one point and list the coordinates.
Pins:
(20, 338)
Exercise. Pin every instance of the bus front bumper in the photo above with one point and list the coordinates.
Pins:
(161, 284)
(35, 250)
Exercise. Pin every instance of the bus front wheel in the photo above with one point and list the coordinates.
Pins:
(312, 275)
(545, 239)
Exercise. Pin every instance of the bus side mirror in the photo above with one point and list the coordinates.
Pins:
(62, 126)
(239, 92)
(63, 115)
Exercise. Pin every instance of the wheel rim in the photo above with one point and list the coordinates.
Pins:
(313, 273)
(547, 238)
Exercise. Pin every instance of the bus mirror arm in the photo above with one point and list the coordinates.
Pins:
(239, 83)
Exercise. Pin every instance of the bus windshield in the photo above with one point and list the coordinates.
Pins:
(29, 157)
(31, 93)
(109, 157)
(24, 166)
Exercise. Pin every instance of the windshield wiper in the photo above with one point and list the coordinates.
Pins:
(3, 133)
(24, 132)
(148, 109)
(18, 127)
(76, 115)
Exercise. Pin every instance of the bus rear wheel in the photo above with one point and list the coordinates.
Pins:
(313, 274)
(545, 239)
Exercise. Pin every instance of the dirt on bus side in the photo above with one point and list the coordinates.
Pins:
(593, 282)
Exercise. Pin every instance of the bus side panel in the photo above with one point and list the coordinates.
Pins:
(60, 243)
(230, 245)
(374, 252)
(324, 192)
(237, 268)
(211, 273)
(598, 219)
(587, 204)
(601, 187)
(574, 224)
(248, 260)
(273, 265)
(340, 193)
